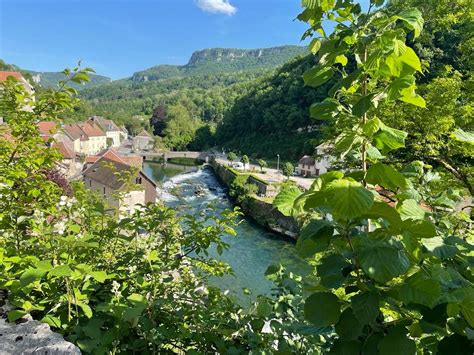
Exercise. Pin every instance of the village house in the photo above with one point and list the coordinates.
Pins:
(143, 141)
(110, 153)
(115, 135)
(87, 137)
(55, 139)
(314, 166)
(107, 177)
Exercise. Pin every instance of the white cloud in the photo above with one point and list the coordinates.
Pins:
(217, 6)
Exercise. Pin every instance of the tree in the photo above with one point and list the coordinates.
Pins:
(377, 250)
(231, 156)
(288, 169)
(180, 128)
(158, 120)
(245, 160)
(262, 163)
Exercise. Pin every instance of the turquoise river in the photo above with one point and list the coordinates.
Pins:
(250, 252)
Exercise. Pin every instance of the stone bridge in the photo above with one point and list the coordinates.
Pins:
(165, 155)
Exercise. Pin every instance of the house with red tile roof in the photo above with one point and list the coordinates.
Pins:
(112, 154)
(87, 137)
(114, 133)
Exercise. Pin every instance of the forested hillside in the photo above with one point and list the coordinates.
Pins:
(50, 79)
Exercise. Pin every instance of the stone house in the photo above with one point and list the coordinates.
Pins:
(5, 74)
(106, 176)
(113, 133)
(314, 166)
(87, 137)
(143, 141)
(112, 154)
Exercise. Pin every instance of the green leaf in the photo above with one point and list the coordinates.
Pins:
(363, 105)
(341, 59)
(285, 200)
(330, 270)
(411, 59)
(15, 315)
(324, 110)
(463, 136)
(382, 260)
(373, 154)
(86, 309)
(439, 248)
(61, 271)
(419, 228)
(386, 176)
(467, 307)
(99, 276)
(30, 276)
(409, 209)
(388, 138)
(413, 20)
(384, 211)
(396, 342)
(348, 327)
(421, 289)
(371, 127)
(366, 307)
(322, 309)
(317, 76)
(52, 321)
(315, 45)
(348, 198)
(139, 304)
(314, 237)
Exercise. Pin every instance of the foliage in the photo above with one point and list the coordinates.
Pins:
(180, 128)
(288, 169)
(240, 189)
(262, 164)
(245, 160)
(392, 273)
(231, 156)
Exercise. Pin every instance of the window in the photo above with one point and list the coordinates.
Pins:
(138, 180)
(317, 172)
(90, 183)
(104, 190)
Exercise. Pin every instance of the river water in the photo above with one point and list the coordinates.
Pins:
(250, 252)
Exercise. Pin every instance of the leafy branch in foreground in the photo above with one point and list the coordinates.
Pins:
(393, 267)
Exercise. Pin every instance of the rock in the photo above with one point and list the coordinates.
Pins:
(33, 337)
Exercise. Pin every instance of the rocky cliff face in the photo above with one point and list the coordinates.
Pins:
(223, 60)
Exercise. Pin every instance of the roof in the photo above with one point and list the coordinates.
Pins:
(144, 133)
(65, 151)
(73, 131)
(110, 153)
(5, 74)
(83, 130)
(47, 128)
(107, 172)
(91, 129)
(105, 124)
(307, 160)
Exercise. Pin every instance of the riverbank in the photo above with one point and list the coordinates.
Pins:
(258, 209)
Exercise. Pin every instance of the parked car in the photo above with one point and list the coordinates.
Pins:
(238, 166)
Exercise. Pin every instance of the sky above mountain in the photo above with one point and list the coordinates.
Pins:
(119, 37)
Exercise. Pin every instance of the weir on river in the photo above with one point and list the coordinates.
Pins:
(250, 252)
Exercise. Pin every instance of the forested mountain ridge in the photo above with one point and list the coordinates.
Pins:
(223, 60)
(51, 79)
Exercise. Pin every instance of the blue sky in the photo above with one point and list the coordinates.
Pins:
(119, 37)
